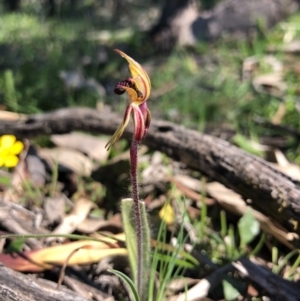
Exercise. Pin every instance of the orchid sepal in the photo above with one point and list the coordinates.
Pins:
(139, 125)
(119, 132)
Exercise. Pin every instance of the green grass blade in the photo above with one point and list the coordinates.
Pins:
(131, 287)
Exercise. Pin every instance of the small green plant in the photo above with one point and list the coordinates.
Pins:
(248, 229)
(229, 244)
(284, 264)
(169, 264)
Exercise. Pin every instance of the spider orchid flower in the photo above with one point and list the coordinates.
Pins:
(138, 87)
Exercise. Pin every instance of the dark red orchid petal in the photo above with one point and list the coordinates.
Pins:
(146, 117)
(139, 126)
(143, 108)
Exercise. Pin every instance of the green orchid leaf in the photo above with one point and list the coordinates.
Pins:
(130, 229)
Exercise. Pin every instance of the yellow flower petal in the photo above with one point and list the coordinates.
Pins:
(4, 152)
(167, 214)
(17, 148)
(7, 141)
(11, 161)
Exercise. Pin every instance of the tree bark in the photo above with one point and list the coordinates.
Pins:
(182, 23)
(270, 191)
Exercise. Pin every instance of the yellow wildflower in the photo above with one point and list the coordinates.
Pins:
(9, 149)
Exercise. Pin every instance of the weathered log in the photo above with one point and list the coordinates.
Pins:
(270, 191)
(15, 286)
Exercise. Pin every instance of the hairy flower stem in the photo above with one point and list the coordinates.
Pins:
(137, 212)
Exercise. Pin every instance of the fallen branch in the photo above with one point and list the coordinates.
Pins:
(270, 191)
(15, 286)
(276, 287)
